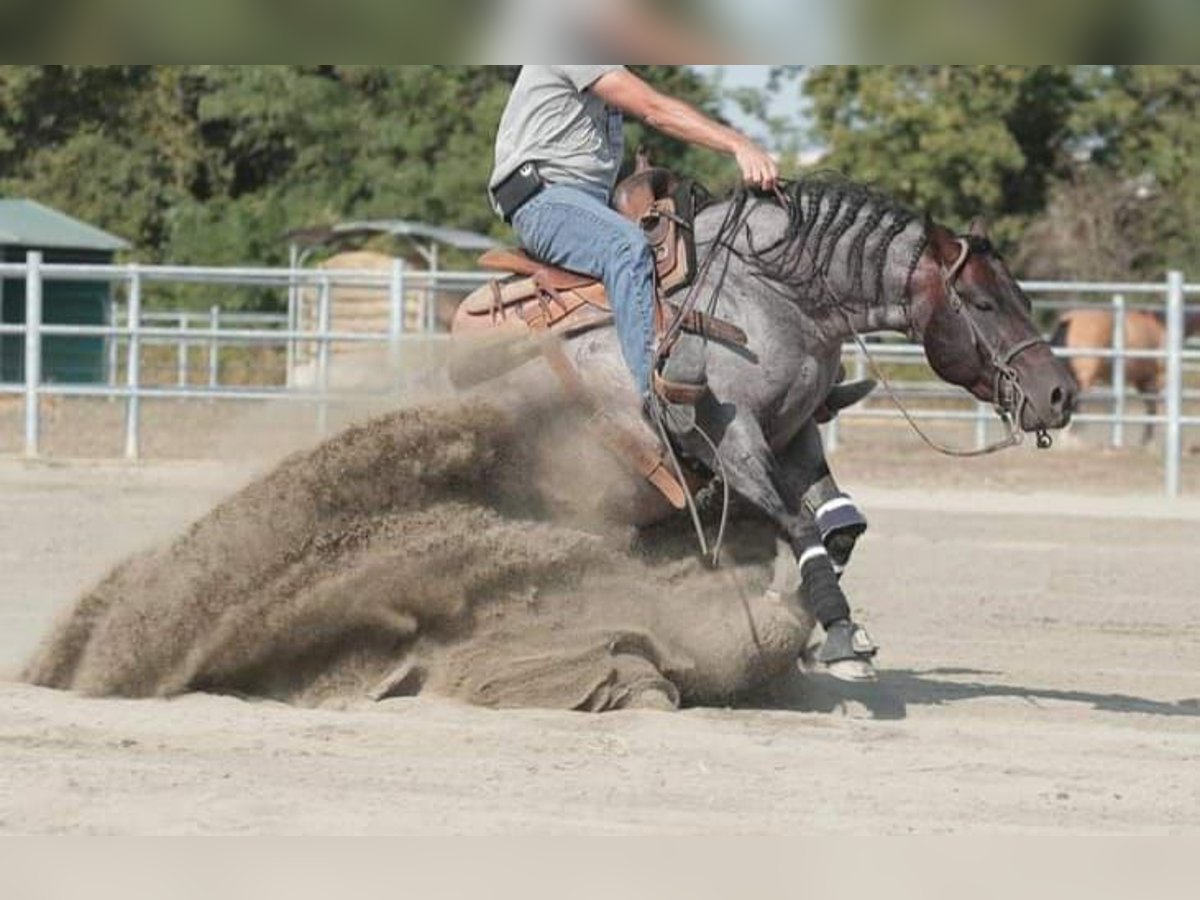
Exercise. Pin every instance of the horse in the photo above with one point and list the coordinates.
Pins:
(1092, 329)
(799, 272)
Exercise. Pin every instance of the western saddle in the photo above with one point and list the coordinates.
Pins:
(540, 298)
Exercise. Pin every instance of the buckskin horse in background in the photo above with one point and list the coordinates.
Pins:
(1092, 329)
(788, 279)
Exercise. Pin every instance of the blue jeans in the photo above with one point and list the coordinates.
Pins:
(566, 227)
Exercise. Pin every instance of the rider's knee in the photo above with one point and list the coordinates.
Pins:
(631, 245)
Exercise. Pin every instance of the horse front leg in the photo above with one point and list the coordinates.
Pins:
(808, 482)
(756, 474)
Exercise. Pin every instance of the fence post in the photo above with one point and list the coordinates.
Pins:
(981, 424)
(325, 319)
(182, 362)
(214, 347)
(293, 312)
(431, 295)
(114, 342)
(1118, 371)
(133, 366)
(833, 436)
(33, 351)
(1173, 448)
(396, 309)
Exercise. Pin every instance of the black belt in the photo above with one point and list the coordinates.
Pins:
(518, 189)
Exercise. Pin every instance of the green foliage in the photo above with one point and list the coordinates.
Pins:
(212, 164)
(711, 169)
(1026, 146)
(958, 141)
(1146, 128)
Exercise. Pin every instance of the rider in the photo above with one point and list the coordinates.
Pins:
(558, 152)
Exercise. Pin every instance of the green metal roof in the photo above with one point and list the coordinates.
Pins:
(26, 223)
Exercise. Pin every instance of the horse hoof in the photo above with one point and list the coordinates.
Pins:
(853, 671)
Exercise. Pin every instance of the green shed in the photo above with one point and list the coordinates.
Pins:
(27, 225)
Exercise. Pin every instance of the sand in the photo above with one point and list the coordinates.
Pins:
(1039, 674)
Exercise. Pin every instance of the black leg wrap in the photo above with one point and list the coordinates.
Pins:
(840, 522)
(820, 594)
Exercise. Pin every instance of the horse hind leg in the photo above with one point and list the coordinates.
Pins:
(1151, 400)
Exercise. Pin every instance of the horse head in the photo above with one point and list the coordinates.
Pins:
(976, 325)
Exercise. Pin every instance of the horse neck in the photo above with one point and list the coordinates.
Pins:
(856, 254)
(868, 311)
(871, 305)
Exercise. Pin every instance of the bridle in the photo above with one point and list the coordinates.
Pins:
(1008, 393)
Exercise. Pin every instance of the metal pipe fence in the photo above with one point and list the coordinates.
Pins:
(132, 329)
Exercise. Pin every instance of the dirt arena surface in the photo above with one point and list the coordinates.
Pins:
(1041, 673)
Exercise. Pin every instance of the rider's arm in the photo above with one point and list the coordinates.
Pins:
(629, 93)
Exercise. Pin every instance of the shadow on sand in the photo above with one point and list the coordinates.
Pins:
(898, 689)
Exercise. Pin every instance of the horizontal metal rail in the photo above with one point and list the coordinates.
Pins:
(131, 328)
(241, 277)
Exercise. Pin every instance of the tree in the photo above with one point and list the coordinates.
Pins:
(1144, 128)
(707, 167)
(957, 141)
(1098, 226)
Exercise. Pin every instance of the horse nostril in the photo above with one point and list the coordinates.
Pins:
(1057, 398)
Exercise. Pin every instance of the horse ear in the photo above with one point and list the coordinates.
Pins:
(979, 228)
(643, 160)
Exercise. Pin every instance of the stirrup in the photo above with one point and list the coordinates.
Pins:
(680, 375)
(679, 393)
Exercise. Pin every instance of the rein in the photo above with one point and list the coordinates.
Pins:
(1010, 397)
(730, 224)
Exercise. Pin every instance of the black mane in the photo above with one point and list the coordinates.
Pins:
(824, 209)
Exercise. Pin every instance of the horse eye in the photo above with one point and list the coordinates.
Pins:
(981, 302)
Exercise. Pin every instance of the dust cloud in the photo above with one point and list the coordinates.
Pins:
(431, 550)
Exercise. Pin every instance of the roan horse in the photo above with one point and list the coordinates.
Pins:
(800, 273)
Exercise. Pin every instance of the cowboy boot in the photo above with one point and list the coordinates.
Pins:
(842, 396)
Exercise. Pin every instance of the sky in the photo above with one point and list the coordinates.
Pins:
(752, 77)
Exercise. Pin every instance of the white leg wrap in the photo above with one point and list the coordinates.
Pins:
(810, 554)
(833, 505)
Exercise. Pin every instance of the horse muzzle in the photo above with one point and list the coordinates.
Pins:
(1045, 400)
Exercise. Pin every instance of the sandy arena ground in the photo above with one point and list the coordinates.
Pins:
(1041, 673)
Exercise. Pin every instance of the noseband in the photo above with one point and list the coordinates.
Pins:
(1008, 393)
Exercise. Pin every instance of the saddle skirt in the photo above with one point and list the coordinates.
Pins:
(533, 296)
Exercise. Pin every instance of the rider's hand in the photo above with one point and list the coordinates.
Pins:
(759, 169)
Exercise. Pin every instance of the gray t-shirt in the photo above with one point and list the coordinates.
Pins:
(552, 119)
